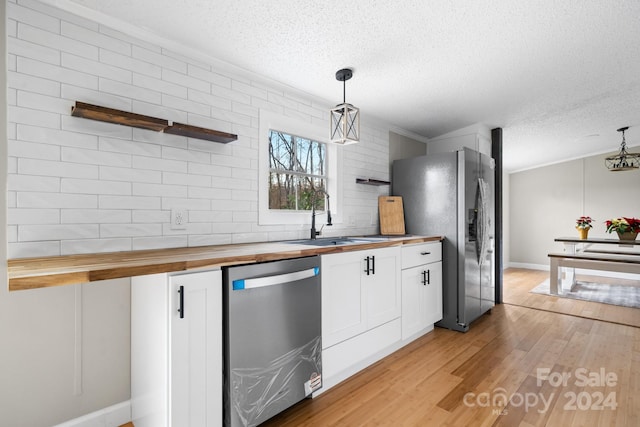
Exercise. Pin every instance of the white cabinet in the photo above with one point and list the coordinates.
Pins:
(360, 291)
(176, 349)
(421, 287)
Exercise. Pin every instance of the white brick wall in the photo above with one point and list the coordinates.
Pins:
(79, 186)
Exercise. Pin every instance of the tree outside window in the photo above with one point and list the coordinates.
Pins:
(297, 172)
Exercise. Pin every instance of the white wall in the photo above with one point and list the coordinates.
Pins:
(545, 202)
(79, 186)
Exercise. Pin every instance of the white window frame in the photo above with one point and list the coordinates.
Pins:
(272, 121)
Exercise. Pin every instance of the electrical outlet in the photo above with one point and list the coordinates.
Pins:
(178, 219)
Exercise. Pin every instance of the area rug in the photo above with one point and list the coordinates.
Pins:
(622, 295)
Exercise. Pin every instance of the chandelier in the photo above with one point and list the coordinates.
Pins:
(345, 118)
(623, 161)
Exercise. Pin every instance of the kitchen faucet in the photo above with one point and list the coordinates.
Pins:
(315, 233)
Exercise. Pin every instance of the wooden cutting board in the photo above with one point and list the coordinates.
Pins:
(391, 215)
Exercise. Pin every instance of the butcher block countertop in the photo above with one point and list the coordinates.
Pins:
(32, 273)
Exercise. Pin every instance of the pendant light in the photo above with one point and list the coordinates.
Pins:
(345, 118)
(623, 161)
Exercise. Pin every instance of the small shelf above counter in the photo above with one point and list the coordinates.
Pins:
(372, 181)
(125, 118)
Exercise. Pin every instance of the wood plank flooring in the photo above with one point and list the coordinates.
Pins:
(502, 372)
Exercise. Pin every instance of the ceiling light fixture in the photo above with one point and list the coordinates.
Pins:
(623, 161)
(345, 118)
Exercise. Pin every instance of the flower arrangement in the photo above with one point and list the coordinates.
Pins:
(623, 225)
(584, 222)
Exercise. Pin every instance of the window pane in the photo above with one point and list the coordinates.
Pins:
(310, 156)
(292, 192)
(281, 151)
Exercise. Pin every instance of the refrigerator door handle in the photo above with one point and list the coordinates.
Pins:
(279, 279)
(483, 207)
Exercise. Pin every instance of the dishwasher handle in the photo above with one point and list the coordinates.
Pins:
(260, 282)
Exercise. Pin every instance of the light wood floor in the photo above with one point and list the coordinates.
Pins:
(449, 378)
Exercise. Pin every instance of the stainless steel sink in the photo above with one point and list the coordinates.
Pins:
(337, 241)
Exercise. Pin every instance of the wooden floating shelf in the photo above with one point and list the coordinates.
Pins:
(111, 115)
(371, 181)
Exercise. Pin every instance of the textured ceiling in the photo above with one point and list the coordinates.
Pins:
(558, 76)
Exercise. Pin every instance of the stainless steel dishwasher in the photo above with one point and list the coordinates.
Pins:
(272, 338)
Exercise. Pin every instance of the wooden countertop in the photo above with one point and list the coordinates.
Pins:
(32, 273)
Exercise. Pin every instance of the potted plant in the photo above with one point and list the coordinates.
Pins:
(627, 228)
(583, 224)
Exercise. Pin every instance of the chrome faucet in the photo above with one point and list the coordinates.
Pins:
(315, 233)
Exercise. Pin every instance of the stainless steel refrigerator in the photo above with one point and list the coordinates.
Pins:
(451, 194)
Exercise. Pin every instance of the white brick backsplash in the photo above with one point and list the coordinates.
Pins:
(130, 91)
(129, 147)
(33, 216)
(158, 59)
(210, 216)
(27, 49)
(129, 202)
(57, 169)
(185, 105)
(186, 179)
(142, 243)
(79, 186)
(140, 162)
(212, 170)
(209, 76)
(95, 157)
(209, 193)
(159, 86)
(73, 247)
(185, 81)
(29, 116)
(159, 190)
(146, 216)
(34, 150)
(169, 203)
(130, 175)
(93, 186)
(128, 63)
(55, 41)
(33, 17)
(56, 137)
(33, 183)
(96, 68)
(36, 101)
(32, 233)
(37, 249)
(76, 32)
(56, 200)
(129, 230)
(94, 216)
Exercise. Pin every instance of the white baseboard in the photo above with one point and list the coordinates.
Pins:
(615, 274)
(112, 416)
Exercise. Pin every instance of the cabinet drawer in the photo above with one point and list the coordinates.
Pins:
(422, 253)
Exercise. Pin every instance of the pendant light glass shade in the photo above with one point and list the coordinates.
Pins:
(623, 161)
(345, 118)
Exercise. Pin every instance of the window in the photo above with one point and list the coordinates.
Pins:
(296, 168)
(297, 172)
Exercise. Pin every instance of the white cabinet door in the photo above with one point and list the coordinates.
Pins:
(382, 286)
(196, 349)
(413, 301)
(433, 310)
(176, 363)
(343, 314)
(354, 301)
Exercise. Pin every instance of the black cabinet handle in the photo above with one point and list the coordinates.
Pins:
(373, 264)
(425, 253)
(181, 308)
(367, 270)
(424, 278)
(428, 277)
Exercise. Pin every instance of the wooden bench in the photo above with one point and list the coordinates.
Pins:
(624, 263)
